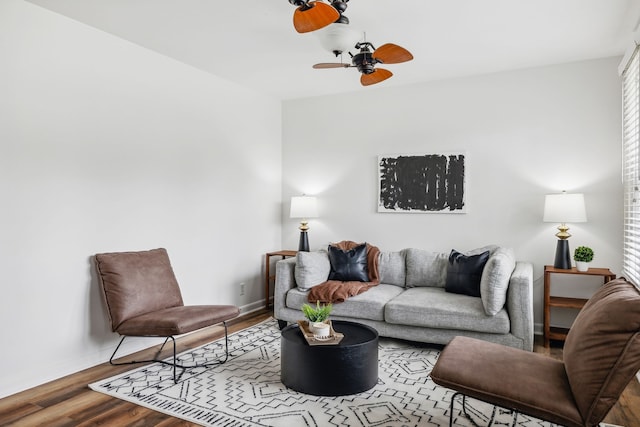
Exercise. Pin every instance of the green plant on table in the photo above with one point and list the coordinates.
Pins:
(317, 313)
(583, 254)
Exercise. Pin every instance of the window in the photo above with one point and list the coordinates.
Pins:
(631, 167)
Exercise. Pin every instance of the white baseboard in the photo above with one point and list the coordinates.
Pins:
(538, 329)
(250, 308)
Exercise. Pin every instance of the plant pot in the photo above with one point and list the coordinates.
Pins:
(321, 329)
(316, 331)
(582, 266)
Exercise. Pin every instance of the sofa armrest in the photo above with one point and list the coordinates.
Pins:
(520, 303)
(285, 280)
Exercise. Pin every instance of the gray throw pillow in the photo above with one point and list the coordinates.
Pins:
(391, 268)
(312, 268)
(477, 251)
(426, 268)
(495, 280)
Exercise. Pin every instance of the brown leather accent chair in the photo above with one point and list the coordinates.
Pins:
(601, 356)
(143, 300)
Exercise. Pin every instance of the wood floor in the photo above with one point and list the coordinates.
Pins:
(69, 402)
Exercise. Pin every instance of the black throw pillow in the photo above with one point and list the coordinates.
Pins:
(464, 273)
(349, 265)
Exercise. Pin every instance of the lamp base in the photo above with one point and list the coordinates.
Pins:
(563, 257)
(303, 245)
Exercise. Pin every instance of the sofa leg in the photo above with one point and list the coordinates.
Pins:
(282, 324)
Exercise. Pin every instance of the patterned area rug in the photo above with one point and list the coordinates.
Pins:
(246, 391)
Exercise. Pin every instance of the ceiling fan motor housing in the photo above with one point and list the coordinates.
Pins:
(304, 3)
(340, 6)
(364, 61)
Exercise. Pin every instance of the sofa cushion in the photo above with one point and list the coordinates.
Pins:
(425, 268)
(312, 268)
(433, 307)
(495, 279)
(392, 268)
(349, 265)
(602, 351)
(367, 305)
(464, 273)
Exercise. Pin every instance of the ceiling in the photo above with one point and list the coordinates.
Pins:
(253, 42)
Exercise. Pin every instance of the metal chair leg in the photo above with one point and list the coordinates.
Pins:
(453, 398)
(464, 411)
(174, 364)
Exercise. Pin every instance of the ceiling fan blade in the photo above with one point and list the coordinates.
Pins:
(392, 54)
(378, 75)
(313, 16)
(331, 65)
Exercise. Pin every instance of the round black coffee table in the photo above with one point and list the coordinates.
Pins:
(349, 367)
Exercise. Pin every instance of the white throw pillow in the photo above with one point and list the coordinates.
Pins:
(312, 268)
(495, 280)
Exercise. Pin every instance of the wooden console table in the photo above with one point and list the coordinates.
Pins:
(556, 333)
(268, 276)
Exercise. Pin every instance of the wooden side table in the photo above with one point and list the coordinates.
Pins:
(557, 333)
(268, 276)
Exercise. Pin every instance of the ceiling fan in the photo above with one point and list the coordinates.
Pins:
(315, 15)
(365, 61)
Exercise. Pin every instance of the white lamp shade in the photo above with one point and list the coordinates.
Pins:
(303, 207)
(338, 37)
(564, 208)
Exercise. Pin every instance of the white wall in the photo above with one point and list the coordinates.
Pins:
(106, 146)
(526, 133)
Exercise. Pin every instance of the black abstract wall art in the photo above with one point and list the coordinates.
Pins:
(428, 183)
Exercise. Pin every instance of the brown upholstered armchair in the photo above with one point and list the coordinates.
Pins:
(601, 356)
(143, 300)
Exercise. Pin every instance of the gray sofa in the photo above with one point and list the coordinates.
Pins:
(411, 301)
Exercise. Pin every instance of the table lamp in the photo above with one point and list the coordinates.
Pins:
(563, 208)
(303, 207)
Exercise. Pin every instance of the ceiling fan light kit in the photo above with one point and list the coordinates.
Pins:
(337, 37)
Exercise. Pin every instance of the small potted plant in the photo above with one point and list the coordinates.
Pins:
(583, 255)
(317, 314)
